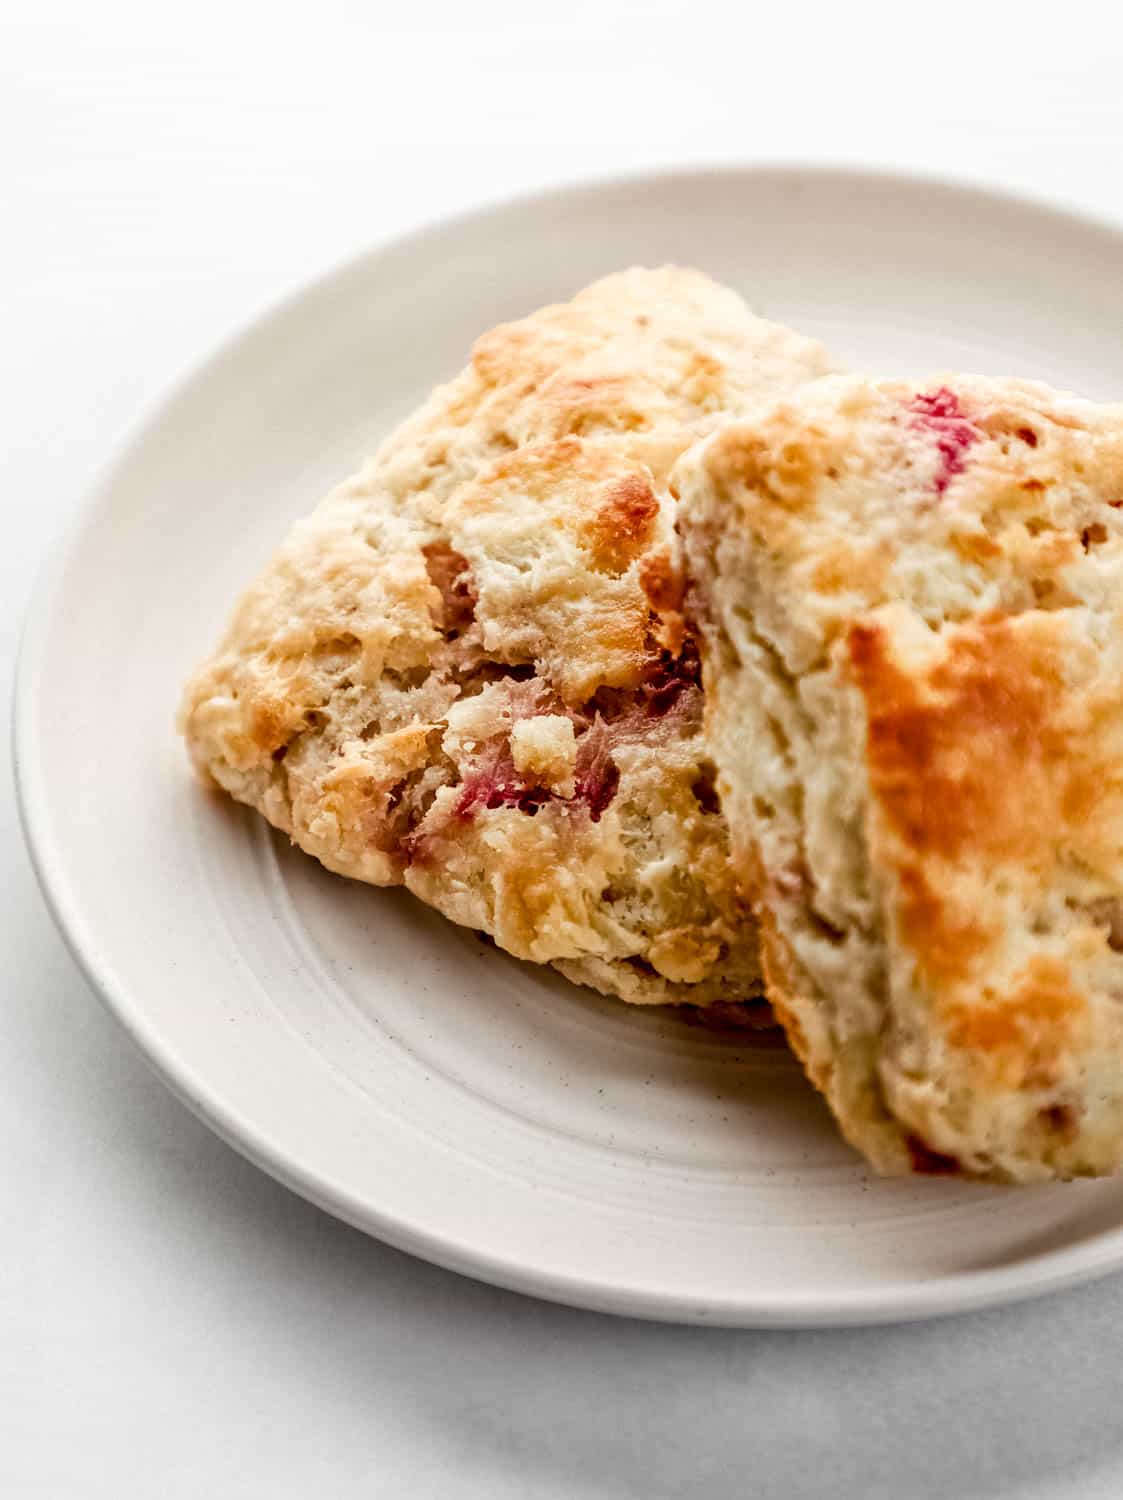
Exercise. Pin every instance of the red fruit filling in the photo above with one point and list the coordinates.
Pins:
(494, 782)
(940, 414)
(668, 695)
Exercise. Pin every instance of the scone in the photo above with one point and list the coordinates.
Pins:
(911, 603)
(467, 670)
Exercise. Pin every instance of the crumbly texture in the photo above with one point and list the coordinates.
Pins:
(467, 671)
(911, 603)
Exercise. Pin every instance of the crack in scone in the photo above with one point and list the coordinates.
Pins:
(911, 607)
(467, 671)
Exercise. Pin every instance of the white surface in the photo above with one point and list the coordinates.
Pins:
(477, 1110)
(171, 1322)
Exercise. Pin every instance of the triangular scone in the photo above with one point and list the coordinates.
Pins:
(467, 671)
(911, 605)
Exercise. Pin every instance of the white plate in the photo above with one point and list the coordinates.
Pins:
(383, 1063)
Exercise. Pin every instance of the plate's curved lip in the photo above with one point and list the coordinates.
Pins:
(935, 1297)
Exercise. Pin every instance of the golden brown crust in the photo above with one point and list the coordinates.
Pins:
(622, 523)
(1021, 1036)
(662, 582)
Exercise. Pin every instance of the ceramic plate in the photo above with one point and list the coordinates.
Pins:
(390, 1067)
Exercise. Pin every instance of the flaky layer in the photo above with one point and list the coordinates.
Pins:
(912, 605)
(467, 670)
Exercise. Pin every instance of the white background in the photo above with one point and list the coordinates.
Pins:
(172, 1323)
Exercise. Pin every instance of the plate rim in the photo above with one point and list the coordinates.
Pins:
(940, 1296)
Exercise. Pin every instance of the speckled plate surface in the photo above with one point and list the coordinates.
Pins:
(391, 1067)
